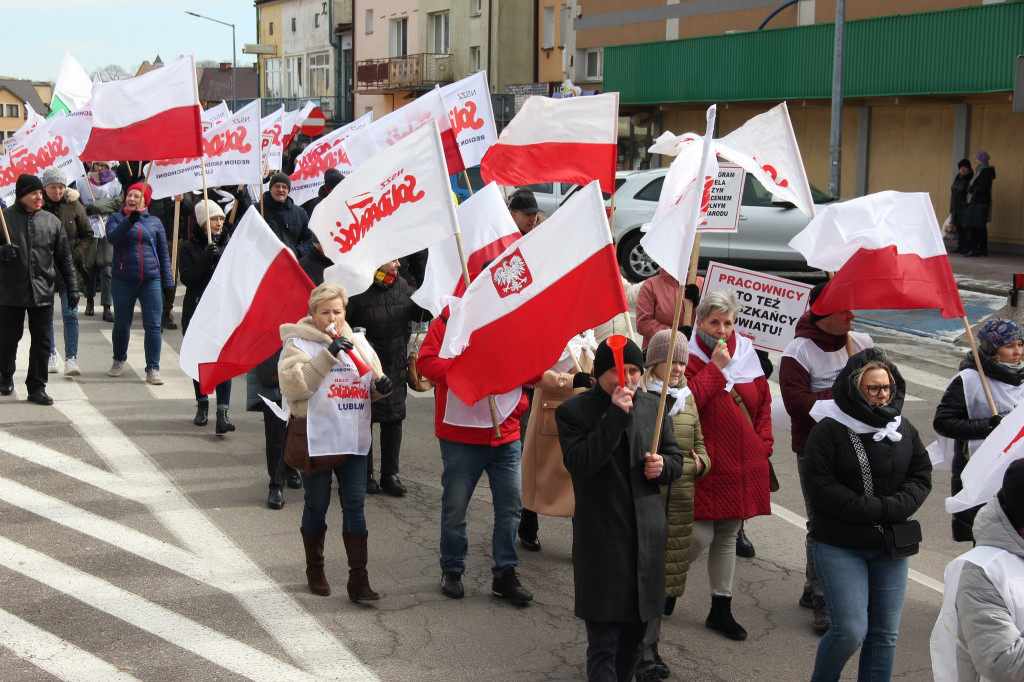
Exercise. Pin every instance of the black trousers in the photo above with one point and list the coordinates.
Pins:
(273, 429)
(390, 447)
(613, 650)
(12, 327)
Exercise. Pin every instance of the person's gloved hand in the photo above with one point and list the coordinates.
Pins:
(8, 253)
(340, 344)
(134, 217)
(692, 294)
(384, 385)
(581, 380)
(73, 298)
(212, 251)
(995, 420)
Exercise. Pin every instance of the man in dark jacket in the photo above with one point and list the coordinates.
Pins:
(288, 221)
(619, 527)
(38, 247)
(810, 364)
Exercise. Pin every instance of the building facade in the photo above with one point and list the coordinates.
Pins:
(15, 96)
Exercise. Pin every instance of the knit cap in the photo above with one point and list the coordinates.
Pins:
(996, 333)
(657, 349)
(138, 188)
(27, 184)
(605, 360)
(332, 177)
(54, 176)
(207, 209)
(281, 177)
(981, 156)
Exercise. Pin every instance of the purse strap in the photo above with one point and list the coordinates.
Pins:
(743, 407)
(862, 457)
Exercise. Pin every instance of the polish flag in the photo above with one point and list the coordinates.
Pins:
(293, 122)
(487, 230)
(557, 140)
(152, 116)
(257, 286)
(555, 282)
(983, 475)
(887, 252)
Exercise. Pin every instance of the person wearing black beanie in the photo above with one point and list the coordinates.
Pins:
(287, 220)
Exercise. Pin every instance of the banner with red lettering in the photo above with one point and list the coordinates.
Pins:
(32, 121)
(232, 152)
(272, 141)
(73, 126)
(325, 153)
(468, 103)
(214, 115)
(32, 154)
(396, 203)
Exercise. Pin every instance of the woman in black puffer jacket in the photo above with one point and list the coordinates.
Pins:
(384, 311)
(199, 258)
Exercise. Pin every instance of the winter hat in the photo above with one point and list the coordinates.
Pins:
(332, 177)
(207, 209)
(996, 333)
(657, 349)
(138, 187)
(26, 185)
(523, 200)
(815, 293)
(604, 360)
(981, 156)
(54, 176)
(1011, 495)
(964, 163)
(281, 177)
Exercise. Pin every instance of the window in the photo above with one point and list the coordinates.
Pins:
(563, 24)
(367, 110)
(474, 58)
(293, 24)
(652, 191)
(271, 28)
(476, 8)
(439, 25)
(588, 64)
(316, 20)
(12, 111)
(548, 27)
(319, 75)
(369, 21)
(293, 67)
(399, 39)
(273, 85)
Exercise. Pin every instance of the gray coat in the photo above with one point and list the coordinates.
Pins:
(995, 644)
(43, 250)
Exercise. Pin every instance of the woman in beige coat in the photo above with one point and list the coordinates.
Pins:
(678, 497)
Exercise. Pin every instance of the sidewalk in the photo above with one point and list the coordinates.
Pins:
(992, 274)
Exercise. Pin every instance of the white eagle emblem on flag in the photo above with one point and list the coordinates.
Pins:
(511, 275)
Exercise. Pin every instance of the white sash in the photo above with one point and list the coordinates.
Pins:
(678, 395)
(1006, 397)
(744, 366)
(828, 408)
(478, 415)
(581, 344)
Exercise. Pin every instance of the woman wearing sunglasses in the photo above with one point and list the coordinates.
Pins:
(866, 472)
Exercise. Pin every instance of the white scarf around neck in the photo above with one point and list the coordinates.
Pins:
(677, 394)
(744, 366)
(828, 408)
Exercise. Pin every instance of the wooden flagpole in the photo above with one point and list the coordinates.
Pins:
(202, 165)
(668, 366)
(3, 221)
(234, 207)
(691, 278)
(977, 362)
(174, 244)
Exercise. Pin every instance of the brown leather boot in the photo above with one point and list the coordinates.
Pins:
(358, 580)
(314, 545)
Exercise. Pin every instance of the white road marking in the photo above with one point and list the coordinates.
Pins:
(176, 386)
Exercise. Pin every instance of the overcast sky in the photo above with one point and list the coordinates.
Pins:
(36, 34)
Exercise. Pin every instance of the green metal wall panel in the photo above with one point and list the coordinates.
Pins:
(966, 50)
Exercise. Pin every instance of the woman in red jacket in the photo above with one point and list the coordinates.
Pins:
(725, 376)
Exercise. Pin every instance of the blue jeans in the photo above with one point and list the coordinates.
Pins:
(864, 590)
(223, 394)
(351, 491)
(70, 330)
(150, 297)
(463, 465)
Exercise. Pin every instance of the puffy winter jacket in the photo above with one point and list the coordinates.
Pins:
(290, 223)
(71, 213)
(42, 243)
(140, 250)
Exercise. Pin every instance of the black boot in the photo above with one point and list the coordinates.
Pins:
(90, 308)
(721, 619)
(223, 425)
(744, 547)
(202, 413)
(108, 314)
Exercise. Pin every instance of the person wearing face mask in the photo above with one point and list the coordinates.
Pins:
(964, 415)
(199, 258)
(865, 471)
(102, 197)
(728, 383)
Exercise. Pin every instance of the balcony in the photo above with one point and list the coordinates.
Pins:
(412, 72)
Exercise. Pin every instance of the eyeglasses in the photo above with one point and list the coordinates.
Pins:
(875, 391)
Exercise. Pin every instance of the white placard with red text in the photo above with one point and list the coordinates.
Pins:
(272, 141)
(320, 156)
(725, 195)
(34, 153)
(468, 103)
(770, 306)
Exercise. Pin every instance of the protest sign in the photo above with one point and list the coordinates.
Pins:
(468, 103)
(770, 306)
(272, 141)
(34, 153)
(724, 208)
(325, 153)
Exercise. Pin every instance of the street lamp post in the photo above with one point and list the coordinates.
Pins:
(234, 59)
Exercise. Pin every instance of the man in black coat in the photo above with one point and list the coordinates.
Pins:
(287, 220)
(619, 528)
(28, 264)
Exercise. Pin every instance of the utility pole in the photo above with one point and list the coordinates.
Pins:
(836, 131)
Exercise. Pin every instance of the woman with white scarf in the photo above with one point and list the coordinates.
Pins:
(865, 470)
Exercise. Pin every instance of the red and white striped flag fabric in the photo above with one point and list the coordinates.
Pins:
(887, 252)
(293, 122)
(487, 230)
(557, 140)
(257, 286)
(983, 475)
(468, 103)
(557, 281)
(152, 116)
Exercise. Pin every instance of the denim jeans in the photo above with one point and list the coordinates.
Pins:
(70, 330)
(864, 590)
(351, 491)
(223, 394)
(150, 298)
(463, 465)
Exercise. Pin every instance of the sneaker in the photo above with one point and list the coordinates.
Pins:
(153, 377)
(451, 584)
(820, 620)
(508, 587)
(116, 369)
(53, 366)
(71, 368)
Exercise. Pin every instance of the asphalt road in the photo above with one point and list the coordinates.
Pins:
(134, 545)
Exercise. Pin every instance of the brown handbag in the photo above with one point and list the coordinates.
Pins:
(417, 382)
(773, 480)
(296, 450)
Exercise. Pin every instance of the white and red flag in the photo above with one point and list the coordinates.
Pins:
(257, 286)
(215, 114)
(983, 475)
(468, 103)
(293, 121)
(152, 116)
(887, 252)
(683, 204)
(487, 230)
(272, 141)
(34, 153)
(397, 203)
(557, 140)
(320, 156)
(557, 281)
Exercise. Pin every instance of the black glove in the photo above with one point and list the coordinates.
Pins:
(383, 385)
(340, 344)
(73, 299)
(212, 251)
(995, 420)
(8, 253)
(692, 293)
(581, 380)
(134, 217)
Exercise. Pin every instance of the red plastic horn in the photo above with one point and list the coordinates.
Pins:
(353, 355)
(617, 342)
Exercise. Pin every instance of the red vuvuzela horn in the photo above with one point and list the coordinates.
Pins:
(353, 354)
(617, 342)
